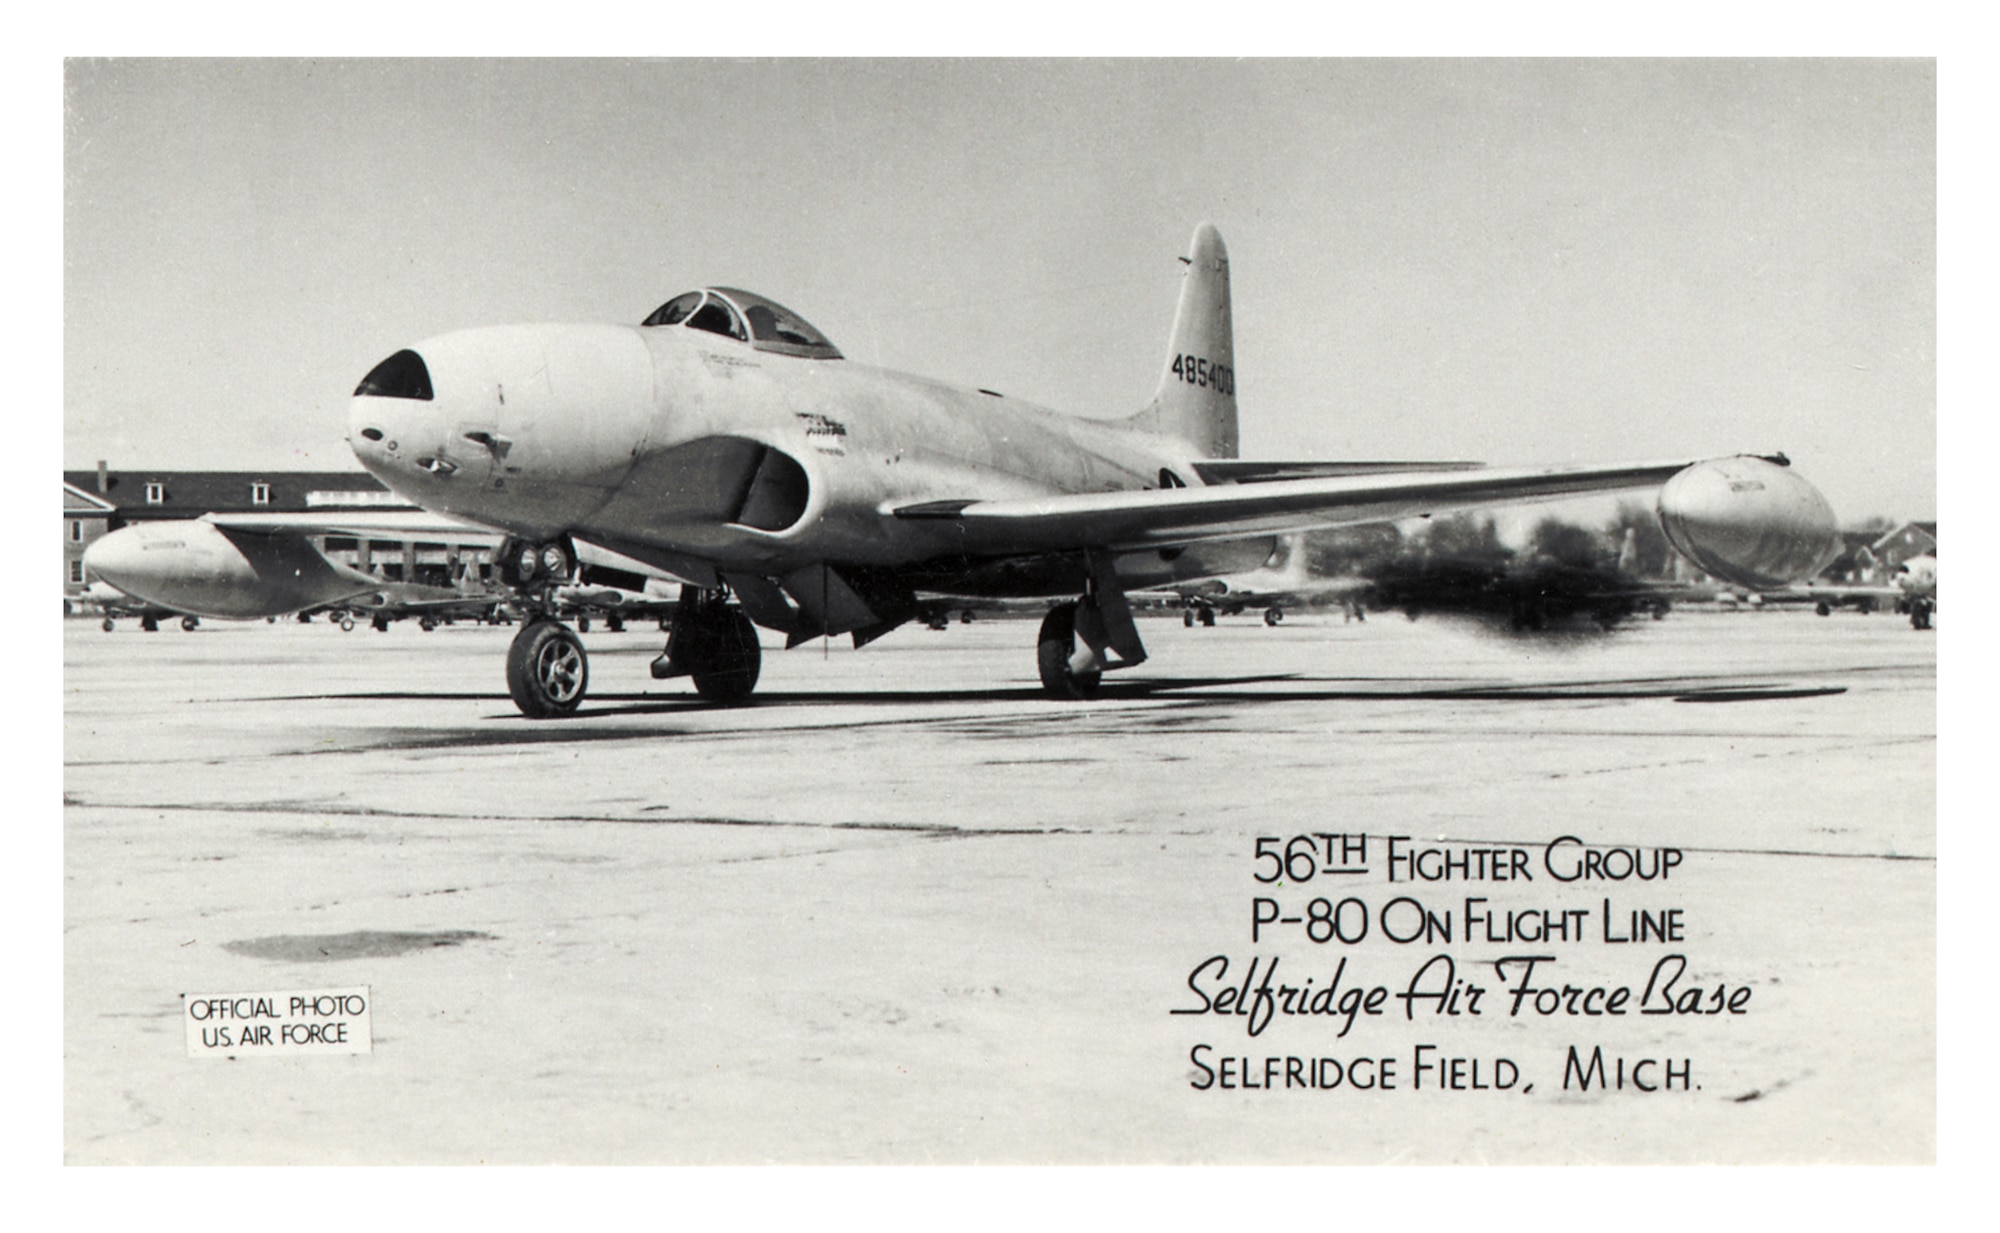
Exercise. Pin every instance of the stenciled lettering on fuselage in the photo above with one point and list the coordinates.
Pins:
(824, 433)
(1199, 370)
(725, 366)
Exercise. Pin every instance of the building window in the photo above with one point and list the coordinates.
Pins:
(75, 531)
(260, 494)
(156, 494)
(76, 571)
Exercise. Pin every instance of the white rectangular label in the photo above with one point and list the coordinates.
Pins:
(277, 1024)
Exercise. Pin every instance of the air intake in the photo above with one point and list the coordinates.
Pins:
(402, 375)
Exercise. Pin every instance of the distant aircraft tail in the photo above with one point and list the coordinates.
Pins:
(1196, 399)
(1290, 561)
(1628, 553)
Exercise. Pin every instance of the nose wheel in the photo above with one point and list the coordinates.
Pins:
(547, 670)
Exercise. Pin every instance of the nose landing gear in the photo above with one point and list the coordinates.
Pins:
(547, 670)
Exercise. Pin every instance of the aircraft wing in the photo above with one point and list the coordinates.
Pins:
(406, 524)
(1164, 517)
(417, 524)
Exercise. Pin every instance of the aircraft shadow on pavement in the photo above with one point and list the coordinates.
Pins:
(1244, 690)
(1218, 690)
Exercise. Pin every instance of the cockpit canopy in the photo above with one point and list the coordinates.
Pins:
(725, 310)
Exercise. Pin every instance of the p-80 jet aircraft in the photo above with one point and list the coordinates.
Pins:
(727, 443)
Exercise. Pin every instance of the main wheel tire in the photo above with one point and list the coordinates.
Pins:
(730, 660)
(109, 625)
(1207, 616)
(1052, 651)
(189, 624)
(347, 624)
(1273, 615)
(1187, 617)
(547, 670)
(583, 625)
(150, 624)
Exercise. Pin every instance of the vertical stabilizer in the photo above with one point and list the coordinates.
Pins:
(1196, 399)
(1628, 553)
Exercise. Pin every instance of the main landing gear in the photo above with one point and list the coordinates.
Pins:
(710, 640)
(1055, 649)
(1198, 612)
(713, 643)
(1079, 640)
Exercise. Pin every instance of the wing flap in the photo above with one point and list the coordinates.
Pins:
(1164, 517)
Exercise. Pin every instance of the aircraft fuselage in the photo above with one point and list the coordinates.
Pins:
(743, 459)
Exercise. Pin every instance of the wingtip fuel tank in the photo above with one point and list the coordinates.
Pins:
(1749, 520)
(200, 568)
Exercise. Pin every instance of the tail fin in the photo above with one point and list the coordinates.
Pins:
(1291, 561)
(1196, 399)
(1628, 552)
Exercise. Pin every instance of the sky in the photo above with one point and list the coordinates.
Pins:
(1519, 261)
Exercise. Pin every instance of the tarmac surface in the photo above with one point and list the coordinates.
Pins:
(905, 909)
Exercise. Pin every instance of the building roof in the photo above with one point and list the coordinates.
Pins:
(190, 494)
(78, 502)
(1907, 532)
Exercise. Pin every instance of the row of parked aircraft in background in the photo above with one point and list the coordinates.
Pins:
(1530, 596)
(725, 446)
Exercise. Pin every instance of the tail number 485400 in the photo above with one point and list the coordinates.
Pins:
(1197, 370)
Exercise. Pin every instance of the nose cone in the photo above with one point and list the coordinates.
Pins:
(1749, 521)
(528, 427)
(392, 424)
